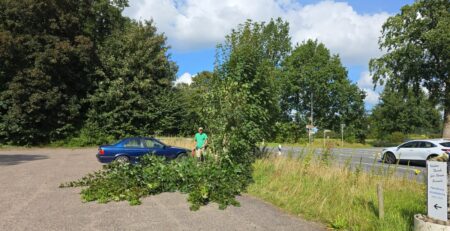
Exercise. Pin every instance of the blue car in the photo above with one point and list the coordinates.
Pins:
(130, 149)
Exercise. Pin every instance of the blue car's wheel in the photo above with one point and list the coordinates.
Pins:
(122, 159)
(182, 156)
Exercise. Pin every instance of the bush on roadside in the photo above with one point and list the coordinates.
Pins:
(392, 139)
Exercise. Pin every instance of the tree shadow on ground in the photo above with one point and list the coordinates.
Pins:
(15, 159)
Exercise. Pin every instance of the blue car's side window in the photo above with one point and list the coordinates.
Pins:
(152, 144)
(149, 143)
(133, 143)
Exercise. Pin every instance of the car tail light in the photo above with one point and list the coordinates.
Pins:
(447, 150)
(101, 151)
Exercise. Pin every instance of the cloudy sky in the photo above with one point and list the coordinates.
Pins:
(194, 27)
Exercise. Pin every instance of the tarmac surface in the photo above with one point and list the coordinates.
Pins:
(31, 200)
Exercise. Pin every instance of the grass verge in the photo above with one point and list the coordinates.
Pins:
(319, 143)
(341, 198)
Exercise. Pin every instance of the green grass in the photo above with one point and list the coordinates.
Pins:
(341, 198)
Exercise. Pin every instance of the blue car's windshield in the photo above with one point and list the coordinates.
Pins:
(158, 141)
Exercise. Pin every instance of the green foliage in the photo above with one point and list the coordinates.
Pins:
(242, 101)
(404, 113)
(311, 73)
(417, 41)
(204, 182)
(48, 62)
(192, 101)
(134, 97)
(290, 132)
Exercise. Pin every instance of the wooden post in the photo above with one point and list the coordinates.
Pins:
(380, 201)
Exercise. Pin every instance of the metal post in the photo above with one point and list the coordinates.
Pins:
(309, 136)
(380, 201)
(325, 131)
(342, 135)
(323, 139)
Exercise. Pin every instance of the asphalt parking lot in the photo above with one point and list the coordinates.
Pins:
(31, 200)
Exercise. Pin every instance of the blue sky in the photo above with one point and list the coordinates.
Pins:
(194, 27)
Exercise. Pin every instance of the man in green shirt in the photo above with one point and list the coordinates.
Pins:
(201, 140)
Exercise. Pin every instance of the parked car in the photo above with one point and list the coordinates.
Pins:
(130, 149)
(416, 150)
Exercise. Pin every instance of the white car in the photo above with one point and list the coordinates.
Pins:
(416, 150)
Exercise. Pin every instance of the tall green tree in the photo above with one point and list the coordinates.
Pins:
(48, 63)
(315, 82)
(135, 96)
(243, 98)
(406, 113)
(417, 42)
(193, 100)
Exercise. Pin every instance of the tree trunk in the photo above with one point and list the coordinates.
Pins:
(446, 130)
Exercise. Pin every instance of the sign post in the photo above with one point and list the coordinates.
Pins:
(309, 127)
(437, 190)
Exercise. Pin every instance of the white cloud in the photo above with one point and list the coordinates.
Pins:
(194, 24)
(184, 78)
(353, 36)
(365, 80)
(366, 84)
(372, 97)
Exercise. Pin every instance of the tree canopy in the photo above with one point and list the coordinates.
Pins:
(410, 113)
(313, 76)
(243, 100)
(417, 42)
(133, 97)
(48, 62)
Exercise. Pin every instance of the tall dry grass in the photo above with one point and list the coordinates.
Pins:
(178, 142)
(343, 197)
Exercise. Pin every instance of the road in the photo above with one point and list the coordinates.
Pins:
(31, 200)
(367, 158)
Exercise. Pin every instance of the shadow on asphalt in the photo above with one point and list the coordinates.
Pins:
(417, 163)
(413, 163)
(15, 159)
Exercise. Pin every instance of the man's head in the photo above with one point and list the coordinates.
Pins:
(200, 130)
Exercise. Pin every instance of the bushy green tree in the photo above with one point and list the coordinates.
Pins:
(312, 74)
(135, 96)
(192, 98)
(417, 41)
(48, 63)
(243, 100)
(406, 113)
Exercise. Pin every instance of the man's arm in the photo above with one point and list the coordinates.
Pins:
(195, 141)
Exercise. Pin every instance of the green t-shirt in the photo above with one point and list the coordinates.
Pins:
(200, 139)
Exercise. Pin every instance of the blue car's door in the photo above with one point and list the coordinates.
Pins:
(158, 148)
(134, 148)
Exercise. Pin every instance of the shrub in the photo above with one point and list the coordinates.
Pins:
(208, 181)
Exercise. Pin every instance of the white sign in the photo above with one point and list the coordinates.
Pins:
(437, 190)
